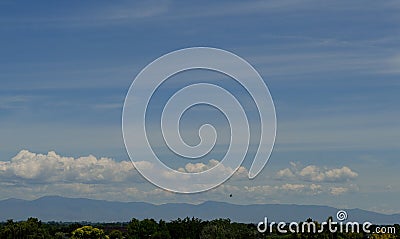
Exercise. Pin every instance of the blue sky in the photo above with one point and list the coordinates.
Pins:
(332, 68)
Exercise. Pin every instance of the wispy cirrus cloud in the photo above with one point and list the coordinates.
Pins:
(14, 101)
(87, 15)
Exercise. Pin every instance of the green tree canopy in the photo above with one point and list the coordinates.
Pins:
(88, 232)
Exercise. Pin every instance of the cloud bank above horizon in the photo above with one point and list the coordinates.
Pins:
(105, 178)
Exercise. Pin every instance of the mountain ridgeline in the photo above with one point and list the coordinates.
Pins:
(54, 208)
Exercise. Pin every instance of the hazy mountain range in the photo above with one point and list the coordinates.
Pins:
(54, 208)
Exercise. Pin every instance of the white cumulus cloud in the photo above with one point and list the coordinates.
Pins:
(200, 167)
(313, 173)
(52, 167)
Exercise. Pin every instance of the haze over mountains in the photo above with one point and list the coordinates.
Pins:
(54, 208)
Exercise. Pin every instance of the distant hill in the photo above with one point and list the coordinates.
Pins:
(54, 208)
